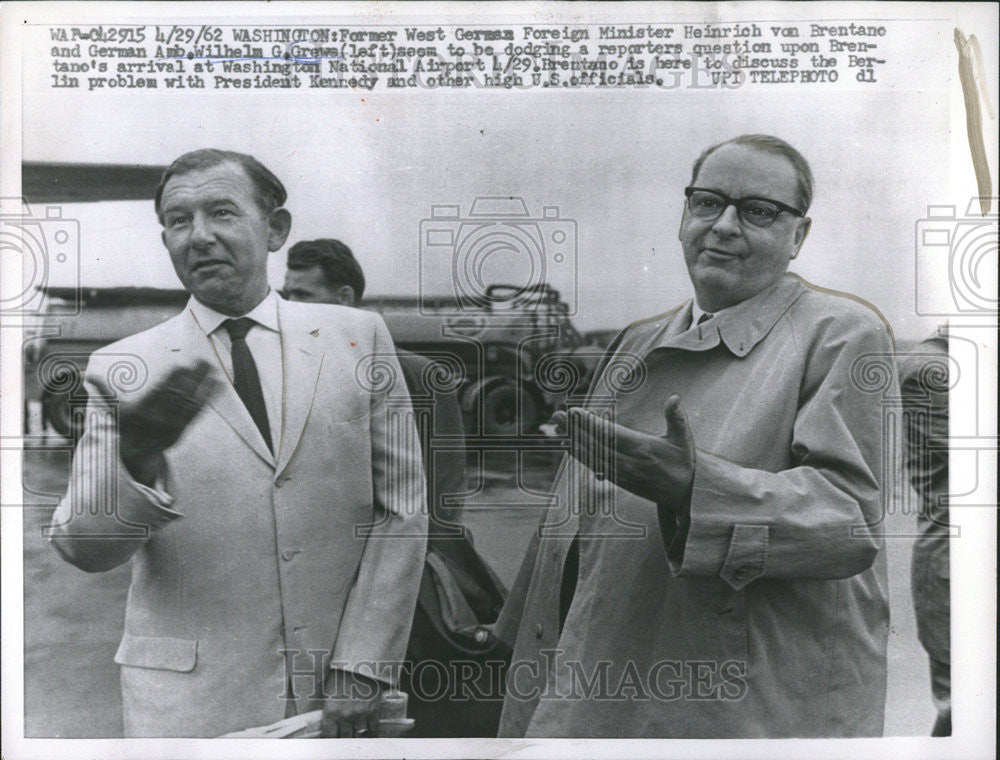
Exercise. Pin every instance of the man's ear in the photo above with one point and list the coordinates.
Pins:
(801, 232)
(345, 295)
(279, 224)
(680, 228)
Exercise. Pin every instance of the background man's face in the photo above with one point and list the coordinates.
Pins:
(729, 261)
(310, 285)
(219, 237)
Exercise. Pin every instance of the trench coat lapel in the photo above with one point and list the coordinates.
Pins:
(302, 359)
(225, 401)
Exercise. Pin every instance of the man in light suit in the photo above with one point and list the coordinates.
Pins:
(268, 488)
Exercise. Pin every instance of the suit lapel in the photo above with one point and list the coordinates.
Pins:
(302, 358)
(225, 401)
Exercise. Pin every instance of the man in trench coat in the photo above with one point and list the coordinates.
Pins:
(711, 565)
(257, 461)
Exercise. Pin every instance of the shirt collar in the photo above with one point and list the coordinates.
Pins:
(265, 314)
(697, 312)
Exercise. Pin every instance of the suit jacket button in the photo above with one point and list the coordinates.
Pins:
(538, 631)
(287, 555)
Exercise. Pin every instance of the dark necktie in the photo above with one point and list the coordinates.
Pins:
(245, 376)
(704, 318)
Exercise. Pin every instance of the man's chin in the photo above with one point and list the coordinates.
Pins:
(216, 294)
(205, 283)
(716, 278)
(718, 287)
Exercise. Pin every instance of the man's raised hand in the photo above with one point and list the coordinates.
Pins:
(153, 423)
(659, 468)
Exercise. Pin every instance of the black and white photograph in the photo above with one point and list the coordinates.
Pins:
(498, 379)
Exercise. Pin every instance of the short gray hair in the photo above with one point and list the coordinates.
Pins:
(776, 147)
(270, 192)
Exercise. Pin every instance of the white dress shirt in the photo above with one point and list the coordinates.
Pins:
(264, 342)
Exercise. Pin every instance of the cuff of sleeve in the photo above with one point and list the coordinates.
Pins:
(386, 677)
(157, 495)
(153, 508)
(709, 539)
(746, 559)
(675, 524)
(675, 537)
(694, 549)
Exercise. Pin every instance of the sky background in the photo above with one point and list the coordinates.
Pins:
(367, 167)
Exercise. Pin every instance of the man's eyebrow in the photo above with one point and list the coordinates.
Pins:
(184, 204)
(174, 206)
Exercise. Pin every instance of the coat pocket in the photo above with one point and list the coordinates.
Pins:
(157, 652)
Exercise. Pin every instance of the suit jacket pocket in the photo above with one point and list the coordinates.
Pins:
(157, 652)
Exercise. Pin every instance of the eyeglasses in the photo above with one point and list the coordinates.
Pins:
(759, 212)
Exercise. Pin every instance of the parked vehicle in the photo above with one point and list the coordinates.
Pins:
(511, 361)
(519, 354)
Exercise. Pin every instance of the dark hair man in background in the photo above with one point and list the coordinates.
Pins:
(924, 382)
(325, 271)
(724, 580)
(254, 507)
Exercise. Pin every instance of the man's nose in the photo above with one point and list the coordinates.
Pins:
(728, 222)
(201, 233)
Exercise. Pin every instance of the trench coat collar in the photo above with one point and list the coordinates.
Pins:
(739, 327)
